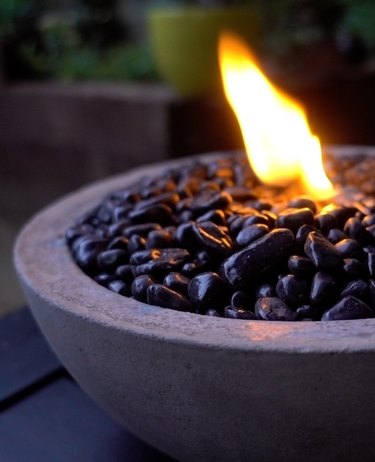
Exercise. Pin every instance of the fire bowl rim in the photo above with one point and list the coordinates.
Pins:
(44, 265)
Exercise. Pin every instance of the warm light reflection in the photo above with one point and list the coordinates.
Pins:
(277, 137)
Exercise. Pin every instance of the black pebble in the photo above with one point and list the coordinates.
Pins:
(169, 199)
(251, 233)
(293, 219)
(86, 250)
(258, 257)
(274, 309)
(348, 308)
(308, 312)
(158, 268)
(265, 290)
(208, 289)
(217, 216)
(213, 239)
(335, 235)
(136, 243)
(369, 220)
(358, 288)
(292, 291)
(177, 282)
(141, 230)
(120, 213)
(271, 216)
(257, 219)
(140, 285)
(159, 213)
(159, 295)
(303, 202)
(302, 234)
(185, 235)
(207, 201)
(173, 255)
(349, 248)
(342, 214)
(159, 239)
(125, 273)
(240, 193)
(185, 216)
(322, 253)
(120, 287)
(325, 222)
(234, 312)
(143, 256)
(104, 278)
(355, 230)
(109, 260)
(74, 232)
(301, 266)
(194, 267)
(118, 243)
(371, 231)
(323, 288)
(241, 300)
(353, 268)
(235, 224)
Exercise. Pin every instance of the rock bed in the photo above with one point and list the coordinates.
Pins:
(208, 238)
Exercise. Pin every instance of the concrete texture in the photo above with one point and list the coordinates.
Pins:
(201, 388)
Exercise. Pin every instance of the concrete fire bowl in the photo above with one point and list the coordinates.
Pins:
(196, 387)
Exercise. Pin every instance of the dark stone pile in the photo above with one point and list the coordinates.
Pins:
(209, 239)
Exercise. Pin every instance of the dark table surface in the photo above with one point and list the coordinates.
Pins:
(44, 415)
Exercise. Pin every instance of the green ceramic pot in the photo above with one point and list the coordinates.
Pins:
(184, 42)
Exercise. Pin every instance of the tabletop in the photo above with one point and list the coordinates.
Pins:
(44, 415)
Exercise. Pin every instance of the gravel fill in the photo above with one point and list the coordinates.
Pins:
(210, 239)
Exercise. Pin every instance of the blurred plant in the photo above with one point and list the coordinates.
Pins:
(12, 11)
(98, 24)
(37, 41)
(203, 3)
(292, 27)
(359, 19)
(89, 44)
(19, 26)
(121, 62)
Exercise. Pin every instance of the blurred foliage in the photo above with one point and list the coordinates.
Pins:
(359, 18)
(66, 56)
(40, 42)
(66, 62)
(11, 11)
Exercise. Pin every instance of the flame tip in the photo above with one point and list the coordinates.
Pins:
(278, 140)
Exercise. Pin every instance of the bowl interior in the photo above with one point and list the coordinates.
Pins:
(44, 265)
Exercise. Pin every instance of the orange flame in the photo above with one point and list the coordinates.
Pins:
(278, 140)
